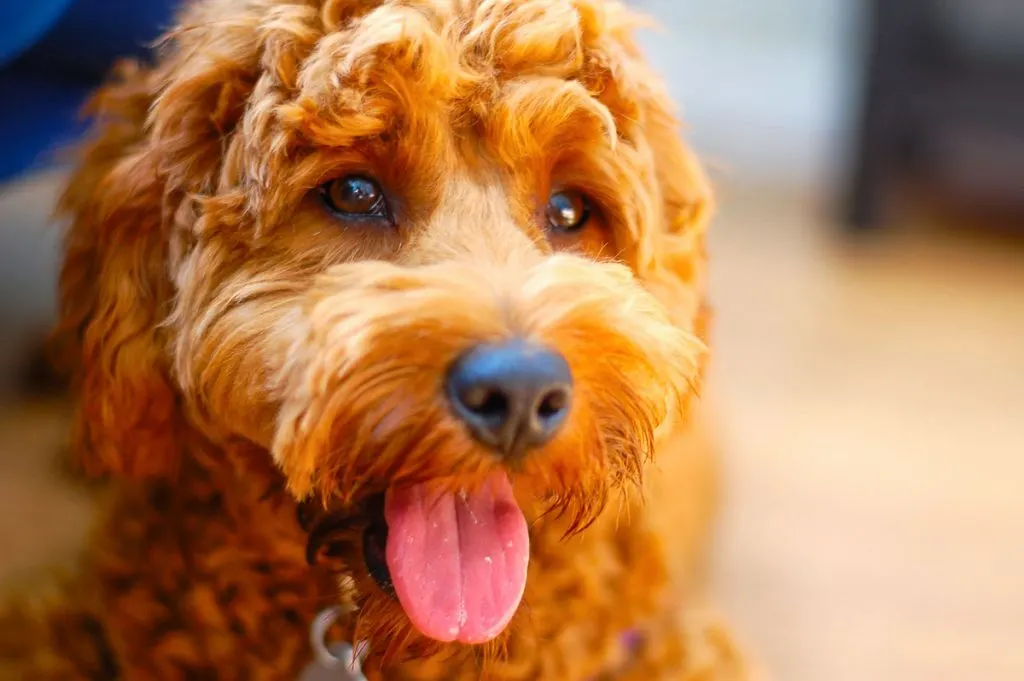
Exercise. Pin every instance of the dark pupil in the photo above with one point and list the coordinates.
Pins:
(566, 210)
(355, 195)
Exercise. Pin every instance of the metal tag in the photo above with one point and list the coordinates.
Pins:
(332, 661)
(343, 667)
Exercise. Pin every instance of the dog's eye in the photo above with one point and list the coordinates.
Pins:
(355, 196)
(567, 211)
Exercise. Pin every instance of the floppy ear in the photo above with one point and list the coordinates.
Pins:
(158, 142)
(114, 291)
(671, 253)
(165, 139)
(680, 267)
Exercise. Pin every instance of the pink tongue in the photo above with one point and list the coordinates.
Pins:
(458, 560)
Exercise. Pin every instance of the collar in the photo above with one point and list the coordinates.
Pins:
(631, 643)
(344, 661)
(338, 661)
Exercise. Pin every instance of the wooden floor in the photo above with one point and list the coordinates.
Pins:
(872, 402)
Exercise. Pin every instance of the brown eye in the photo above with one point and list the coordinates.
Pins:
(355, 196)
(567, 211)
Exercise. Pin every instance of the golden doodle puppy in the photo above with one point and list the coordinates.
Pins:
(387, 320)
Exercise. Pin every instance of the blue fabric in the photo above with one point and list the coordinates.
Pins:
(37, 118)
(92, 34)
(52, 54)
(23, 22)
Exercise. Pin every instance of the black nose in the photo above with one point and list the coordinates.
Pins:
(513, 396)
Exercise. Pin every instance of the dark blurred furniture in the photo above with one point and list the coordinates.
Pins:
(943, 104)
(52, 54)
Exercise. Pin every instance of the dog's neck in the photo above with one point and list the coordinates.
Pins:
(242, 487)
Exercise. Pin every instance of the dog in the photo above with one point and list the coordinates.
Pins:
(387, 321)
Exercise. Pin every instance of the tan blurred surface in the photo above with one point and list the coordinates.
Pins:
(872, 404)
(874, 526)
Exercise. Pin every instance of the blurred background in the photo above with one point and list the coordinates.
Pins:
(869, 281)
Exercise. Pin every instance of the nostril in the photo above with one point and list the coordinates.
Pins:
(553, 403)
(486, 401)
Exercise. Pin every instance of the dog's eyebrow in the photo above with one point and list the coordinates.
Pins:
(338, 126)
(533, 112)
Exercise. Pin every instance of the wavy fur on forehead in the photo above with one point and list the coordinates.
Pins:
(245, 111)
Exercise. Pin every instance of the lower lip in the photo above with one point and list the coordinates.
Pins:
(375, 539)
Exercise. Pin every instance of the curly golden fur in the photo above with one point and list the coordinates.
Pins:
(243, 356)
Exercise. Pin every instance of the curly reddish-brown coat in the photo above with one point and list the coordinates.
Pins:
(224, 340)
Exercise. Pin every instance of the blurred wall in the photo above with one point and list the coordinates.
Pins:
(767, 87)
(28, 266)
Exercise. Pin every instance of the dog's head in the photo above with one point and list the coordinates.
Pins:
(443, 261)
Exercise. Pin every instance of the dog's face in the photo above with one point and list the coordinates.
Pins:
(442, 260)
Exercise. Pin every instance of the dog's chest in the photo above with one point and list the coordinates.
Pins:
(338, 662)
(343, 667)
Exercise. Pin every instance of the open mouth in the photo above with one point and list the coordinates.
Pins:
(375, 541)
(455, 560)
